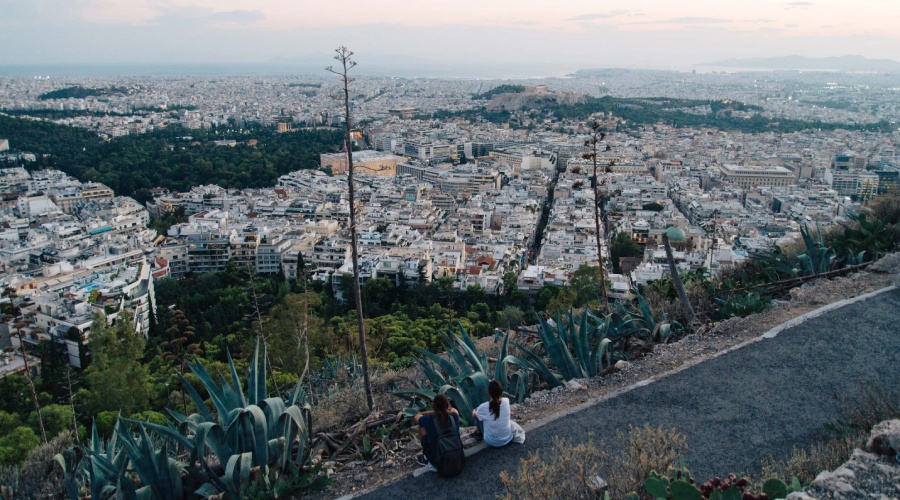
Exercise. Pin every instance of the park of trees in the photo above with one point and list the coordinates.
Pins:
(172, 157)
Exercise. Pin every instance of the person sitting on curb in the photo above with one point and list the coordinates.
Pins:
(493, 419)
(442, 415)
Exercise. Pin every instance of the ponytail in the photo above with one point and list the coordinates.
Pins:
(441, 406)
(495, 390)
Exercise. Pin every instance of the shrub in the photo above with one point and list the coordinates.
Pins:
(571, 471)
(39, 476)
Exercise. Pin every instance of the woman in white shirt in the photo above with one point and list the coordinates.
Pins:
(493, 420)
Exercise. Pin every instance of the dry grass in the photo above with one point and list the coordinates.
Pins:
(346, 405)
(570, 472)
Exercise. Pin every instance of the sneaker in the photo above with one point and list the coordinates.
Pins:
(422, 460)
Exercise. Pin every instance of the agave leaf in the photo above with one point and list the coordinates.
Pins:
(154, 468)
(537, 364)
(212, 436)
(237, 474)
(293, 424)
(477, 360)
(248, 429)
(600, 353)
(215, 393)
(257, 380)
(195, 397)
(272, 408)
(235, 387)
(558, 352)
(448, 367)
(166, 432)
(500, 368)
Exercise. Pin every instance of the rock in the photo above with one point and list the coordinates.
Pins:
(885, 439)
(887, 264)
(575, 385)
(388, 463)
(361, 476)
(866, 474)
(799, 495)
(370, 468)
(622, 365)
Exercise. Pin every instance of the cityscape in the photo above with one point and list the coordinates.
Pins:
(550, 233)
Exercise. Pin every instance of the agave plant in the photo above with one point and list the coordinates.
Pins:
(108, 462)
(660, 331)
(247, 431)
(818, 258)
(581, 346)
(253, 422)
(463, 375)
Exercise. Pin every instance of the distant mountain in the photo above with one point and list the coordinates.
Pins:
(842, 63)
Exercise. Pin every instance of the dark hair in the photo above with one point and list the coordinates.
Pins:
(495, 390)
(441, 405)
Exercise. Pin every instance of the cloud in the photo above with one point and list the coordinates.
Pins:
(696, 20)
(237, 16)
(194, 15)
(799, 5)
(688, 21)
(595, 16)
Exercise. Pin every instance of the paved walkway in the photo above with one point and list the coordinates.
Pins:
(735, 409)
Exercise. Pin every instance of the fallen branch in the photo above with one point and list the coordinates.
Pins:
(801, 279)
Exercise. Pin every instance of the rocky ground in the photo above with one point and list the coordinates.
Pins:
(359, 476)
(872, 472)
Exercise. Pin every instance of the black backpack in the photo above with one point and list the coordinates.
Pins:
(448, 453)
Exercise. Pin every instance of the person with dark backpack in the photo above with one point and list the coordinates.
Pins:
(441, 442)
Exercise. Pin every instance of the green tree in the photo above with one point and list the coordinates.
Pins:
(295, 334)
(511, 317)
(622, 246)
(15, 445)
(561, 302)
(116, 378)
(587, 282)
(8, 422)
(57, 418)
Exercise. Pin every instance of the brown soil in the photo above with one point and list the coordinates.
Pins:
(357, 477)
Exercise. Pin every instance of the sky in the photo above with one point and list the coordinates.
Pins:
(547, 36)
